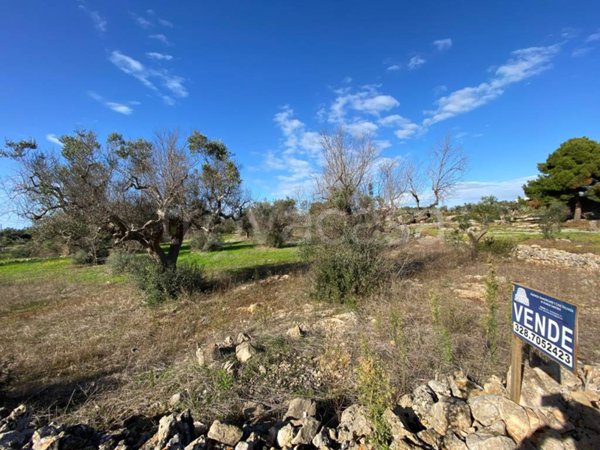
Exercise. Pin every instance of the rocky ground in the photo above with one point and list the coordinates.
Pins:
(552, 256)
(446, 413)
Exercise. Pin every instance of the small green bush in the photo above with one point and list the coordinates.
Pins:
(206, 242)
(497, 246)
(90, 256)
(159, 284)
(346, 269)
(274, 221)
(551, 218)
(122, 261)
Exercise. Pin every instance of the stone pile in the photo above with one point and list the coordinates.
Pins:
(554, 257)
(447, 413)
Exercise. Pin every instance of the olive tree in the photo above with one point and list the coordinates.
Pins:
(145, 191)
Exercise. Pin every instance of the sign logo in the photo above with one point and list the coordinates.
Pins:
(546, 323)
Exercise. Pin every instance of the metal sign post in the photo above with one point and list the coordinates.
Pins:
(547, 324)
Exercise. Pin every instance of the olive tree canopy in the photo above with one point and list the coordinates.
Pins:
(137, 190)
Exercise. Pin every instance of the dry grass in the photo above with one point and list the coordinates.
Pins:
(92, 352)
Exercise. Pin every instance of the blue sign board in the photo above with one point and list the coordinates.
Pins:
(548, 324)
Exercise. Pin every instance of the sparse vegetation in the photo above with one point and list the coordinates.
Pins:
(551, 218)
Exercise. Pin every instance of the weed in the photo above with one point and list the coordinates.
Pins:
(223, 380)
(399, 343)
(443, 334)
(375, 394)
(491, 321)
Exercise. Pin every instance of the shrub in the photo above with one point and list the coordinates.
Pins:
(346, 269)
(497, 246)
(206, 242)
(122, 261)
(159, 285)
(273, 221)
(90, 255)
(551, 218)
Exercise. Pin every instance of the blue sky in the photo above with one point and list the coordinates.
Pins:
(509, 80)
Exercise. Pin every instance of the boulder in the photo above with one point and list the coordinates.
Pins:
(307, 432)
(450, 412)
(354, 424)
(285, 435)
(423, 399)
(225, 434)
(300, 408)
(483, 440)
(487, 409)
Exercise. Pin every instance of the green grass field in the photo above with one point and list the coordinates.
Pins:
(233, 257)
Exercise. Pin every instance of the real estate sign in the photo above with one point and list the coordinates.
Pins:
(548, 324)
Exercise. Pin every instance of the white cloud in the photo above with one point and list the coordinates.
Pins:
(523, 64)
(365, 101)
(582, 51)
(99, 22)
(593, 37)
(165, 23)
(394, 68)
(51, 137)
(131, 67)
(443, 44)
(361, 128)
(149, 77)
(415, 62)
(405, 128)
(382, 144)
(159, 56)
(160, 38)
(297, 138)
(141, 21)
(392, 120)
(121, 108)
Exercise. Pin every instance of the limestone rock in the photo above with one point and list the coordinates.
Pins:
(422, 400)
(285, 436)
(354, 424)
(489, 441)
(453, 442)
(487, 409)
(296, 332)
(307, 432)
(300, 408)
(244, 351)
(209, 355)
(197, 444)
(322, 440)
(450, 412)
(225, 434)
(440, 387)
(242, 337)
